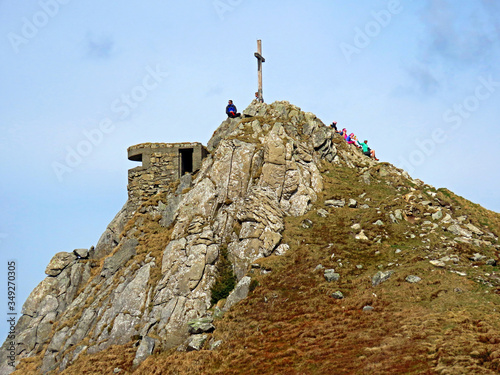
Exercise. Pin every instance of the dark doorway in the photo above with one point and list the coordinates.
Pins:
(186, 155)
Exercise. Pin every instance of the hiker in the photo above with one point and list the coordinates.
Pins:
(367, 150)
(231, 110)
(334, 126)
(258, 98)
(343, 133)
(350, 139)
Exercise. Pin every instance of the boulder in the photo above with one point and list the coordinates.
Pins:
(331, 275)
(282, 249)
(412, 279)
(239, 293)
(457, 230)
(145, 349)
(81, 253)
(438, 215)
(380, 277)
(491, 262)
(438, 263)
(361, 236)
(478, 257)
(335, 203)
(319, 137)
(474, 229)
(201, 325)
(59, 262)
(338, 295)
(196, 342)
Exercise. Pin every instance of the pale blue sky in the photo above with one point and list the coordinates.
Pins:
(419, 79)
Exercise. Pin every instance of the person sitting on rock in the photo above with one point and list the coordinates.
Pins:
(350, 139)
(231, 110)
(258, 97)
(343, 133)
(334, 126)
(367, 150)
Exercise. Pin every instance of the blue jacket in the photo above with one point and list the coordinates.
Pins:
(230, 108)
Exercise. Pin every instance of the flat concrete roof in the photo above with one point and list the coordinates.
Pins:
(135, 152)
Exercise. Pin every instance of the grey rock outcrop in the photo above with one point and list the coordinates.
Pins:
(201, 325)
(119, 258)
(168, 210)
(81, 253)
(111, 236)
(59, 262)
(145, 349)
(239, 293)
(196, 342)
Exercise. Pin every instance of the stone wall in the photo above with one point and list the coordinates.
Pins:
(162, 164)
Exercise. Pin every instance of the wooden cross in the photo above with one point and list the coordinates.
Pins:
(260, 60)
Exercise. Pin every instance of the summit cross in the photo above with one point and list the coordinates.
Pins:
(260, 60)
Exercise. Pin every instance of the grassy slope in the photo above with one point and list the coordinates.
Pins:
(290, 324)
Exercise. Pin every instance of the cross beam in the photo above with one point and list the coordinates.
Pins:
(260, 60)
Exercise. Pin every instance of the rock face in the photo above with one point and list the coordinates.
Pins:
(260, 169)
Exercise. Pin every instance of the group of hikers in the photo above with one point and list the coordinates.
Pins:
(351, 139)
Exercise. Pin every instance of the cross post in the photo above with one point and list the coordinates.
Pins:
(260, 60)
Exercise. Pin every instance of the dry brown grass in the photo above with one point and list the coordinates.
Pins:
(29, 366)
(104, 362)
(290, 324)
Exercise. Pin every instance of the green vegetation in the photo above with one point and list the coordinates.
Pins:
(226, 279)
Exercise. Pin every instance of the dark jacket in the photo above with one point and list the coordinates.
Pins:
(230, 108)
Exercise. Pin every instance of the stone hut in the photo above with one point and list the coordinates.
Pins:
(162, 164)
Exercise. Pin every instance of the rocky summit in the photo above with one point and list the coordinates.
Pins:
(280, 249)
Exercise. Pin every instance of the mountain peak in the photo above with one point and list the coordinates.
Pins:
(275, 192)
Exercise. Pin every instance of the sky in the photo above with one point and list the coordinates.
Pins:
(80, 81)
